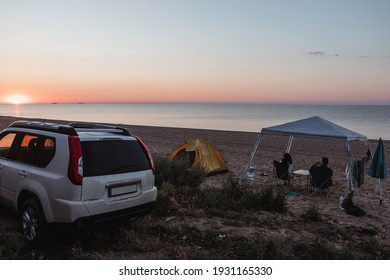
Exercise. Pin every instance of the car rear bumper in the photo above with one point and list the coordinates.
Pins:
(132, 212)
(103, 210)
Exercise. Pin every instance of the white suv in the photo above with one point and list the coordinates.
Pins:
(78, 173)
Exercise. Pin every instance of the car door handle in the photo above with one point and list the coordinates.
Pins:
(23, 173)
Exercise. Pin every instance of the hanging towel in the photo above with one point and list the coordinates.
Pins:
(351, 173)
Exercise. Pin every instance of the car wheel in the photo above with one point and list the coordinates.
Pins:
(32, 221)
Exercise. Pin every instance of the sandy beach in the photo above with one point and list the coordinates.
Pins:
(236, 148)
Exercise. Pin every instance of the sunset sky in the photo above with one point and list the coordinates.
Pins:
(279, 51)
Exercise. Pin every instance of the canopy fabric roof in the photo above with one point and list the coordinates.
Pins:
(314, 127)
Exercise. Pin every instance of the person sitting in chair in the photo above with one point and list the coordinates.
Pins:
(322, 172)
(284, 168)
(288, 159)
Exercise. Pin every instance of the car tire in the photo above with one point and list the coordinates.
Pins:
(32, 221)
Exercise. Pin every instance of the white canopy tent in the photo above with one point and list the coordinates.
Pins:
(315, 127)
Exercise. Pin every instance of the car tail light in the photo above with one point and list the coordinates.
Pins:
(148, 153)
(75, 169)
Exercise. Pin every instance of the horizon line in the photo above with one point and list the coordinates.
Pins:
(203, 103)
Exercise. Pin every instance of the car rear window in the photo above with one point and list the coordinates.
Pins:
(113, 157)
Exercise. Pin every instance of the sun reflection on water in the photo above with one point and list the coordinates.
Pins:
(17, 110)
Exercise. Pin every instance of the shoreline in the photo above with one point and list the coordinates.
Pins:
(368, 120)
(11, 119)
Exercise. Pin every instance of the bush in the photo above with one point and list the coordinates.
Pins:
(172, 199)
(212, 198)
(195, 176)
(312, 215)
(178, 173)
(232, 188)
(226, 198)
(373, 247)
(234, 196)
(266, 199)
(162, 169)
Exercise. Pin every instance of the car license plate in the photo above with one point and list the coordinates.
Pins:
(122, 190)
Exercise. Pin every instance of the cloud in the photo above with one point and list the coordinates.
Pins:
(321, 53)
(316, 53)
(325, 54)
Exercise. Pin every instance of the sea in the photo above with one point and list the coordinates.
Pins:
(370, 120)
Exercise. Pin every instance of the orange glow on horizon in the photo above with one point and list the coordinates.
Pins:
(17, 99)
(186, 92)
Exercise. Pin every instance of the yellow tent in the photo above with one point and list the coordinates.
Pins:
(201, 152)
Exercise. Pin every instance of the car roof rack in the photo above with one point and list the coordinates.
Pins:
(95, 127)
(45, 126)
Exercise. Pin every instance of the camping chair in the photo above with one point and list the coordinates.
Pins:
(281, 172)
(320, 181)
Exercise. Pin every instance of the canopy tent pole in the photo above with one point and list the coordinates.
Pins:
(258, 142)
(290, 141)
(378, 168)
(380, 194)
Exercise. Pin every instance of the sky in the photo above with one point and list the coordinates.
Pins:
(246, 51)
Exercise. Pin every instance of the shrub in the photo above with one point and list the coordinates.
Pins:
(373, 247)
(266, 199)
(312, 215)
(162, 167)
(232, 188)
(212, 198)
(195, 176)
(178, 173)
(234, 196)
(172, 199)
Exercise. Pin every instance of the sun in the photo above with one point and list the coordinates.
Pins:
(17, 99)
